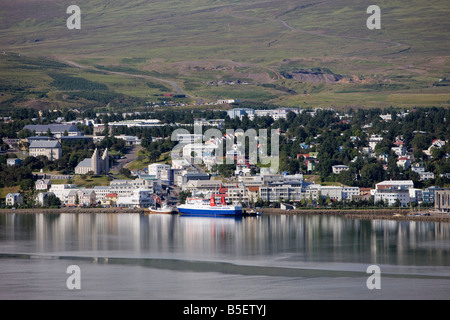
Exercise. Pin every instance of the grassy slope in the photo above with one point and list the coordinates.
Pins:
(194, 42)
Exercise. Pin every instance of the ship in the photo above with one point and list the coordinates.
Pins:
(205, 207)
(158, 206)
(164, 209)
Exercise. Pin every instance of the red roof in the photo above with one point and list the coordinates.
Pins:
(111, 195)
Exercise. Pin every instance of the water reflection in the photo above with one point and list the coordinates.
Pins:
(285, 239)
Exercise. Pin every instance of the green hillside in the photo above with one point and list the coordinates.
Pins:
(295, 53)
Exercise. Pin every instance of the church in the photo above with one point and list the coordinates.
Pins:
(96, 164)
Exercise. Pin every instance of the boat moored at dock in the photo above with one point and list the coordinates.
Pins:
(205, 207)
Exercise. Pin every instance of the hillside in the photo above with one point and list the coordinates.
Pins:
(286, 52)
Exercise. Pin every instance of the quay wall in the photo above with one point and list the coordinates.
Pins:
(390, 214)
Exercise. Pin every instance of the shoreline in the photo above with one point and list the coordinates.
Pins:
(372, 214)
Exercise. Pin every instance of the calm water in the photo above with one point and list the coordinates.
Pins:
(134, 256)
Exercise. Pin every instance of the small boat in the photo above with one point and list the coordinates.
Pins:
(158, 206)
(161, 210)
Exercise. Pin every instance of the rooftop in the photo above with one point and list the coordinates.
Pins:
(45, 144)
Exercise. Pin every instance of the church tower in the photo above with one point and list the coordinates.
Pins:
(105, 162)
(95, 162)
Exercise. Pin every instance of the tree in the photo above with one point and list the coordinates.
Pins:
(26, 184)
(53, 201)
(183, 195)
(371, 173)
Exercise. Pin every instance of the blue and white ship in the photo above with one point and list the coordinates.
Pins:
(205, 207)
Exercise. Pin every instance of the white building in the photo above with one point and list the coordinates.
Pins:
(43, 184)
(395, 184)
(333, 192)
(57, 130)
(426, 176)
(81, 197)
(390, 196)
(61, 191)
(160, 171)
(339, 168)
(374, 140)
(187, 138)
(404, 162)
(101, 192)
(13, 199)
(50, 148)
(41, 198)
(349, 192)
(140, 198)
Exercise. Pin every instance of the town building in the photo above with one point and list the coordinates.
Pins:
(428, 195)
(395, 184)
(81, 197)
(14, 162)
(423, 176)
(96, 164)
(41, 198)
(404, 162)
(43, 184)
(348, 193)
(442, 200)
(13, 199)
(110, 200)
(50, 148)
(390, 196)
(160, 171)
(61, 191)
(140, 198)
(57, 130)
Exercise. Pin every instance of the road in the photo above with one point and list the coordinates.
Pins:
(130, 156)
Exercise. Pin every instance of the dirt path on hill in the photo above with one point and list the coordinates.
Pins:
(175, 85)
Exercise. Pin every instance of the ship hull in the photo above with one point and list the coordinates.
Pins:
(167, 211)
(230, 212)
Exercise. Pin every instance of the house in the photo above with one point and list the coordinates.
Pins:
(14, 162)
(13, 199)
(311, 164)
(50, 148)
(418, 168)
(41, 198)
(81, 197)
(374, 140)
(43, 184)
(404, 162)
(96, 164)
(437, 144)
(399, 150)
(338, 168)
(426, 176)
(110, 200)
